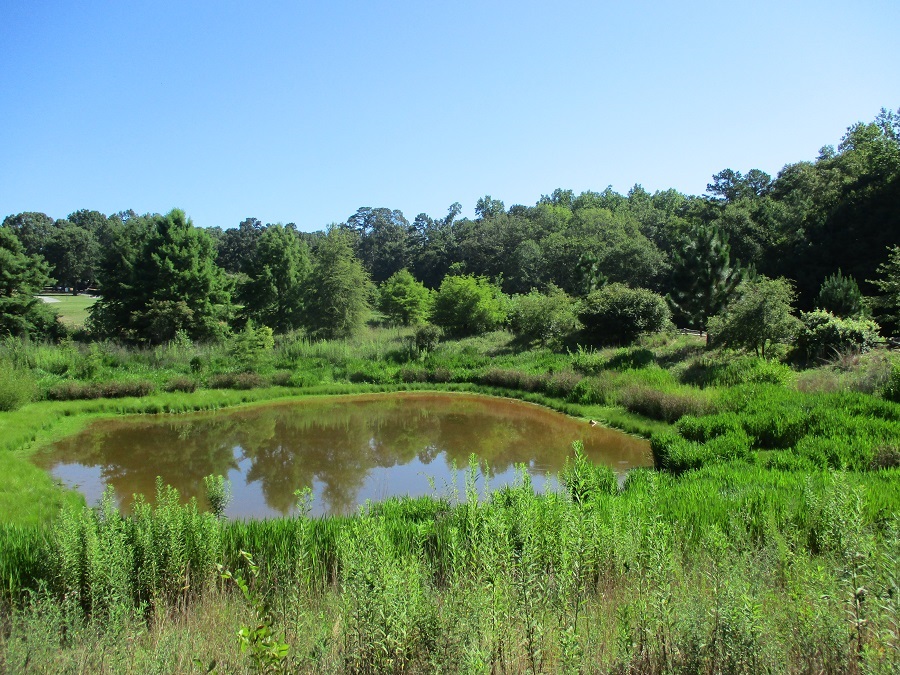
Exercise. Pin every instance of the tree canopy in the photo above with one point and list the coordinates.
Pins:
(159, 278)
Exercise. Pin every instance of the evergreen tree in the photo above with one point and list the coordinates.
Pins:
(278, 270)
(159, 278)
(840, 295)
(21, 277)
(888, 303)
(337, 290)
(703, 278)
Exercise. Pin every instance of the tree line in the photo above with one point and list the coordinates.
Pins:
(830, 223)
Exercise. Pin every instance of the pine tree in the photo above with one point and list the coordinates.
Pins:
(160, 278)
(840, 295)
(21, 277)
(703, 278)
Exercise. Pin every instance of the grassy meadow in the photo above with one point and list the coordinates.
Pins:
(766, 540)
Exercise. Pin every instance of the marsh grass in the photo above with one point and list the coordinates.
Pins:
(747, 555)
(765, 576)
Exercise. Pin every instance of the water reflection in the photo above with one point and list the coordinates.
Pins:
(347, 449)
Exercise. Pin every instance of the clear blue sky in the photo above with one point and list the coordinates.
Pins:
(305, 111)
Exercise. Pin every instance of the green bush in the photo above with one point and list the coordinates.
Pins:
(891, 390)
(593, 390)
(617, 314)
(758, 317)
(702, 429)
(236, 381)
(547, 318)
(181, 383)
(468, 305)
(404, 300)
(824, 335)
(427, 337)
(17, 387)
(73, 391)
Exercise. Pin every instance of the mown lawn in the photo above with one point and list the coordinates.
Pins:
(72, 309)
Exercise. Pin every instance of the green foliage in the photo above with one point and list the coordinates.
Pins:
(667, 406)
(427, 337)
(759, 316)
(823, 335)
(218, 494)
(617, 314)
(21, 277)
(585, 481)
(888, 283)
(258, 638)
(891, 389)
(277, 272)
(404, 300)
(545, 317)
(677, 454)
(468, 305)
(728, 370)
(250, 345)
(159, 277)
(17, 386)
(703, 277)
(840, 296)
(73, 253)
(338, 289)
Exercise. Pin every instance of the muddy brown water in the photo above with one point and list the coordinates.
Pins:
(347, 449)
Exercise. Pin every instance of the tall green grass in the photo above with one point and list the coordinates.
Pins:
(737, 569)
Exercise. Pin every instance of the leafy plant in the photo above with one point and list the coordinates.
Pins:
(257, 638)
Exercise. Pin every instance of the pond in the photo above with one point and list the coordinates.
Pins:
(347, 449)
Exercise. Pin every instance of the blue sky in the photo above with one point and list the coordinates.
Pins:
(303, 112)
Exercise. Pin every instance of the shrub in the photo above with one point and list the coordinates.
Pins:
(513, 379)
(617, 314)
(182, 383)
(73, 391)
(17, 387)
(250, 345)
(123, 388)
(547, 318)
(468, 305)
(282, 378)
(661, 405)
(563, 383)
(593, 390)
(702, 429)
(236, 381)
(823, 335)
(588, 361)
(891, 389)
(707, 371)
(427, 337)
